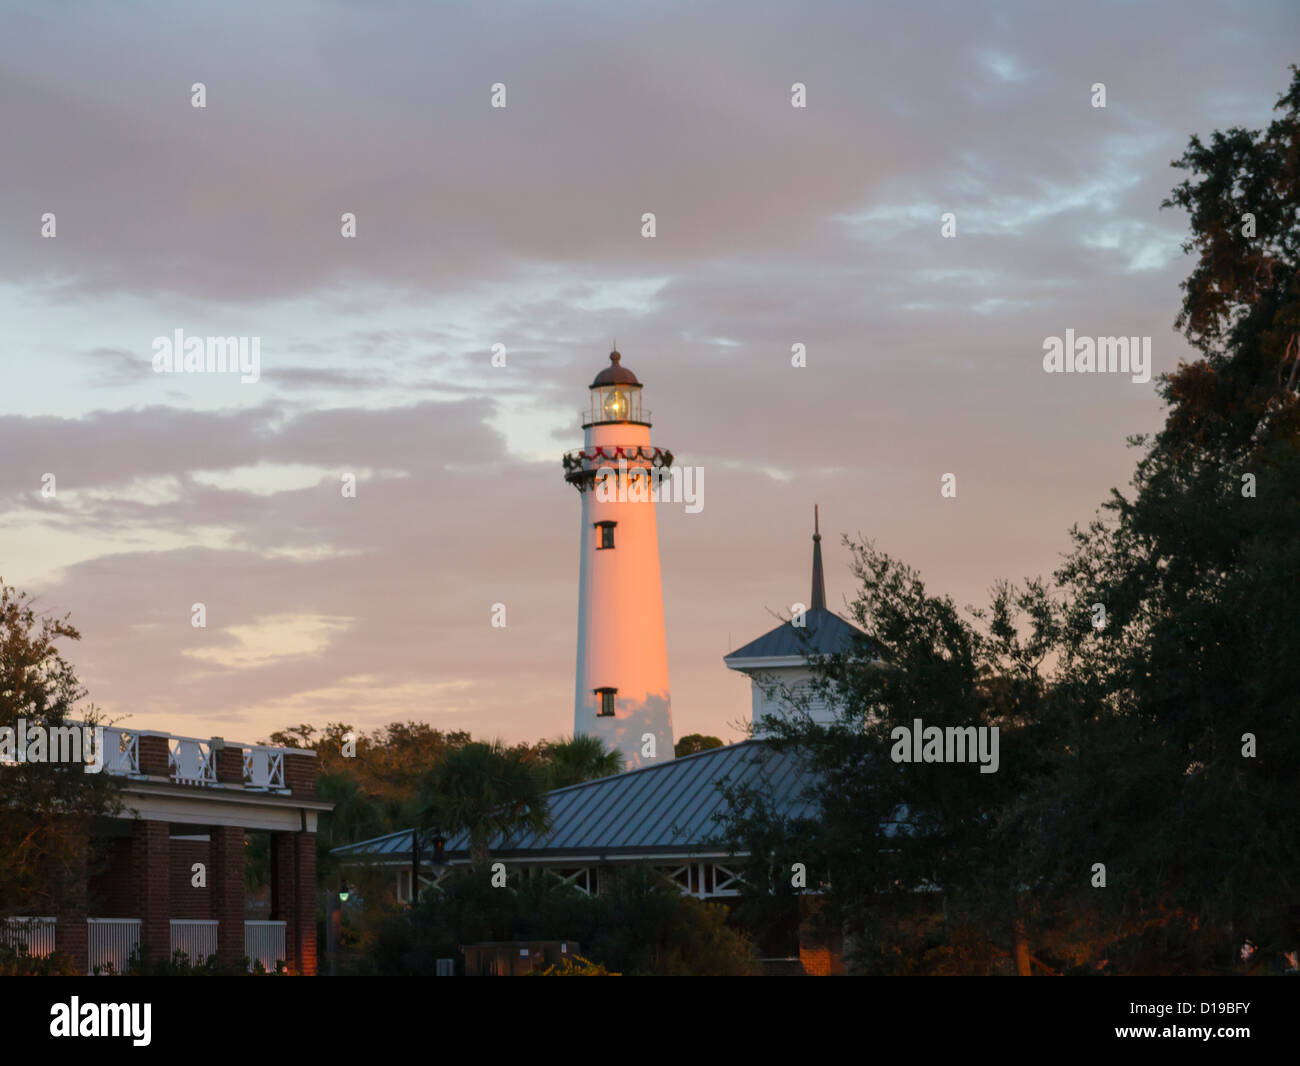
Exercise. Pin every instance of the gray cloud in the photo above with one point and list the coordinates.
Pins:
(475, 225)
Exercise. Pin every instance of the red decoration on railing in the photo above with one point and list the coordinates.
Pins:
(575, 462)
(664, 458)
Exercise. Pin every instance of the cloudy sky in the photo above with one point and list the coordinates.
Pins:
(521, 226)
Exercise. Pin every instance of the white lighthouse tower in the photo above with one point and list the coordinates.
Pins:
(622, 682)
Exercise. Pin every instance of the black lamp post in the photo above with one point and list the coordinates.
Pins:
(415, 866)
(335, 901)
(439, 857)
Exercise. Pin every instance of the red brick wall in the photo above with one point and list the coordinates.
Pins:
(293, 877)
(149, 857)
(226, 878)
(186, 900)
(152, 753)
(305, 903)
(70, 933)
(229, 764)
(300, 774)
(821, 956)
(112, 894)
(282, 874)
(817, 962)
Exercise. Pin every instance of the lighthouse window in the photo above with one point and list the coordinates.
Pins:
(606, 702)
(605, 536)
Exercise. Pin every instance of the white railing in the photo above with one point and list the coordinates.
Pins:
(264, 943)
(110, 943)
(705, 880)
(191, 761)
(35, 934)
(263, 768)
(197, 937)
(121, 751)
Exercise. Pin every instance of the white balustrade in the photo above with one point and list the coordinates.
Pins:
(34, 934)
(263, 768)
(264, 943)
(190, 761)
(110, 943)
(121, 751)
(197, 937)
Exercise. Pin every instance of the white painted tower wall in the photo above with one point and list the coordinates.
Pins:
(621, 642)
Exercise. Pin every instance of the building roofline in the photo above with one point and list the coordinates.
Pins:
(344, 849)
(222, 793)
(577, 856)
(770, 662)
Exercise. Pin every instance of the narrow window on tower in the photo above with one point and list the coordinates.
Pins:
(606, 702)
(605, 536)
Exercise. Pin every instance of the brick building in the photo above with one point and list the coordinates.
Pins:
(168, 872)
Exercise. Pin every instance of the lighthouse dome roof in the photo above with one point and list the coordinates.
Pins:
(615, 374)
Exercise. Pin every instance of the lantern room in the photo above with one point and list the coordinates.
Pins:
(615, 396)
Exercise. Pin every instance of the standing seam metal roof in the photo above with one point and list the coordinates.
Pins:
(668, 807)
(825, 634)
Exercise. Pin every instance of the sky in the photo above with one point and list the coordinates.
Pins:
(522, 226)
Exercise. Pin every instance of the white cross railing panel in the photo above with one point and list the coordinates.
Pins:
(582, 879)
(35, 934)
(197, 937)
(190, 761)
(110, 943)
(681, 875)
(726, 881)
(263, 768)
(121, 751)
(264, 943)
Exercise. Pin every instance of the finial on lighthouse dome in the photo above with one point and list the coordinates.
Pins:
(615, 373)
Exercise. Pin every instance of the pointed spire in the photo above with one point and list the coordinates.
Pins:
(818, 581)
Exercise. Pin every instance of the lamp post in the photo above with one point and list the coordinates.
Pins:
(335, 900)
(438, 858)
(415, 866)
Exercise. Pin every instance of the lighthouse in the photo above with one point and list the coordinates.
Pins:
(621, 694)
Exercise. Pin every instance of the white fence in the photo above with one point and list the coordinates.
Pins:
(264, 943)
(263, 768)
(35, 934)
(121, 751)
(197, 937)
(110, 942)
(191, 761)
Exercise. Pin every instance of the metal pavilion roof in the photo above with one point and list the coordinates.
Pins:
(825, 633)
(668, 809)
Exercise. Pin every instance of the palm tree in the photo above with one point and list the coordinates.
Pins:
(355, 815)
(486, 790)
(572, 760)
